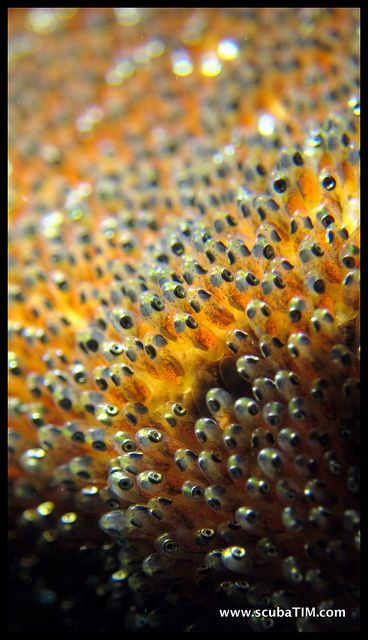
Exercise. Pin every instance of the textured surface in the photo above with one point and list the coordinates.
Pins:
(184, 308)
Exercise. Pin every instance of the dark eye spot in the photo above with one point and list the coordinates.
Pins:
(345, 139)
(266, 350)
(126, 322)
(191, 322)
(78, 436)
(348, 262)
(80, 377)
(227, 275)
(252, 279)
(293, 226)
(307, 222)
(65, 403)
(177, 248)
(92, 344)
(319, 286)
(265, 310)
(268, 252)
(179, 410)
(277, 343)
(157, 304)
(102, 384)
(327, 220)
(280, 185)
(349, 280)
(278, 282)
(346, 359)
(179, 291)
(99, 445)
(195, 306)
(214, 405)
(245, 210)
(150, 351)
(125, 484)
(329, 183)
(317, 250)
(297, 159)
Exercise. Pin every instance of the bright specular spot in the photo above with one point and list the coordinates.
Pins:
(210, 65)
(181, 63)
(228, 49)
(128, 17)
(266, 124)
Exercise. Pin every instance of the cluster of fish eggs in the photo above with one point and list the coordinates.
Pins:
(196, 385)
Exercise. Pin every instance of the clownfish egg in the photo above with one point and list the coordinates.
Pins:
(270, 462)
